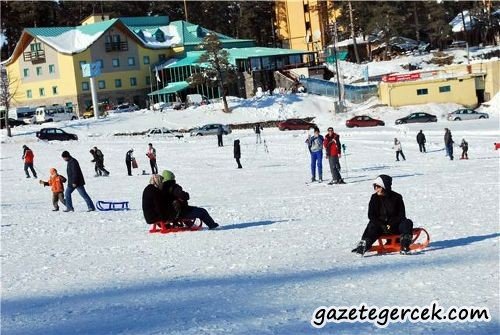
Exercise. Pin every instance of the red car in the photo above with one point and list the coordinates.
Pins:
(363, 121)
(295, 124)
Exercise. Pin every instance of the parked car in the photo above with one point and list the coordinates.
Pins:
(124, 108)
(466, 114)
(295, 124)
(53, 114)
(196, 100)
(210, 129)
(363, 121)
(163, 132)
(417, 117)
(103, 110)
(12, 123)
(55, 134)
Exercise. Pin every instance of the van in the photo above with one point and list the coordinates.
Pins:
(196, 100)
(25, 114)
(53, 114)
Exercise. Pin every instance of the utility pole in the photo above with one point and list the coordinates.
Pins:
(185, 10)
(337, 65)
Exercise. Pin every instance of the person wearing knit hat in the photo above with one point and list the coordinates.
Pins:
(386, 214)
(75, 182)
(28, 158)
(176, 201)
(129, 157)
(152, 205)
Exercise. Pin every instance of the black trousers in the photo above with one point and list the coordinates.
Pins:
(192, 212)
(129, 167)
(154, 167)
(421, 146)
(374, 230)
(239, 164)
(30, 166)
(400, 152)
(219, 141)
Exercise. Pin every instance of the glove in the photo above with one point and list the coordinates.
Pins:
(41, 182)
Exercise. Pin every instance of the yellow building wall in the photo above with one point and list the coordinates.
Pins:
(291, 23)
(463, 92)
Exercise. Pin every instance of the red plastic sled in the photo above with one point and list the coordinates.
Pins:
(390, 243)
(176, 227)
(497, 146)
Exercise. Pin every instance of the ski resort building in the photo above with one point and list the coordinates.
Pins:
(136, 57)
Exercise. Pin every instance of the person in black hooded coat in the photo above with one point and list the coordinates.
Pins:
(237, 153)
(387, 215)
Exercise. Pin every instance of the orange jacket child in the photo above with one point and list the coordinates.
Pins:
(56, 182)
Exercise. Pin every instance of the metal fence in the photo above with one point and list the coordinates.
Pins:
(353, 93)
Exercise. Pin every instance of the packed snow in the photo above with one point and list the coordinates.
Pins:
(284, 247)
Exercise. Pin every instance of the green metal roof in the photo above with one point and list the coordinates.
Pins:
(171, 88)
(88, 29)
(192, 57)
(145, 21)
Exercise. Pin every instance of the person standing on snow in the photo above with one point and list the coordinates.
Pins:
(465, 147)
(220, 132)
(28, 158)
(152, 158)
(386, 212)
(257, 130)
(75, 182)
(421, 141)
(333, 153)
(129, 157)
(315, 145)
(56, 182)
(399, 149)
(448, 143)
(237, 153)
(100, 161)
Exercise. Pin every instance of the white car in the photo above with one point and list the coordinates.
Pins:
(466, 114)
(124, 108)
(210, 129)
(163, 132)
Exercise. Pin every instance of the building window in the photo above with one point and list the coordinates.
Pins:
(118, 83)
(29, 94)
(145, 59)
(422, 91)
(148, 80)
(133, 81)
(101, 84)
(38, 70)
(54, 90)
(85, 86)
(116, 38)
(444, 89)
(161, 57)
(101, 63)
(52, 68)
(131, 61)
(26, 73)
(41, 91)
(116, 62)
(81, 63)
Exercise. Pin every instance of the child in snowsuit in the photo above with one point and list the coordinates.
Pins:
(56, 182)
(465, 147)
(237, 153)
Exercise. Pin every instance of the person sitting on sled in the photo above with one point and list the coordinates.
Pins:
(152, 201)
(386, 212)
(176, 201)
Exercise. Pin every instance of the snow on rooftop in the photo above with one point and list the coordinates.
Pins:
(171, 37)
(73, 41)
(458, 25)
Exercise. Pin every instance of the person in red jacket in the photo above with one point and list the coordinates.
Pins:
(28, 157)
(56, 183)
(333, 146)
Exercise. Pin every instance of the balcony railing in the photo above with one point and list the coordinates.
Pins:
(116, 46)
(34, 57)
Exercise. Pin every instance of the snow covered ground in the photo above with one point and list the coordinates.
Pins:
(284, 247)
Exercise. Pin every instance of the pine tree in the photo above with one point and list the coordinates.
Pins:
(219, 71)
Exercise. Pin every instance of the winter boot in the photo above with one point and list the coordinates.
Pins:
(360, 248)
(405, 242)
(313, 179)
